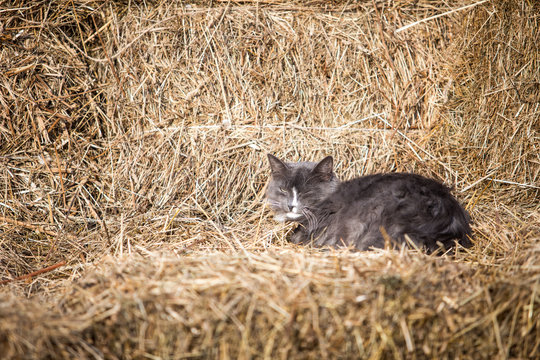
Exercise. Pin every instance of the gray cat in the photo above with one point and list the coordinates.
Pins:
(362, 212)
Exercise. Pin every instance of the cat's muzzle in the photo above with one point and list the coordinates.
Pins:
(288, 216)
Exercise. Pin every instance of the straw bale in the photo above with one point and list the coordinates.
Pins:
(286, 303)
(128, 128)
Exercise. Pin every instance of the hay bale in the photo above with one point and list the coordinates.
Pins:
(287, 303)
(129, 128)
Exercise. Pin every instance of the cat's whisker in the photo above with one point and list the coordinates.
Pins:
(311, 218)
(273, 204)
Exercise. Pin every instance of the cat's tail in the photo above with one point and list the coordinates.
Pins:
(459, 228)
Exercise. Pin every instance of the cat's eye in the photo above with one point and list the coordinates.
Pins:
(282, 190)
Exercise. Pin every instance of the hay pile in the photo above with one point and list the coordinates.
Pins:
(132, 150)
(284, 304)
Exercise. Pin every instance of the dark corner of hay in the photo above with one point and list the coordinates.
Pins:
(133, 142)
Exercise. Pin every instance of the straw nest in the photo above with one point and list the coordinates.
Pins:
(132, 148)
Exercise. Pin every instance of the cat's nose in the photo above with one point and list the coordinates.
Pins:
(290, 207)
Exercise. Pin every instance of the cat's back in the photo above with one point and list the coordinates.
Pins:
(395, 185)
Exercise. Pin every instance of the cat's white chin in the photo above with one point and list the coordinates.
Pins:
(290, 216)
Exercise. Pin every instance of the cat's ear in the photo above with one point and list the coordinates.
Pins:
(324, 169)
(278, 167)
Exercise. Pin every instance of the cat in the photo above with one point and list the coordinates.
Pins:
(361, 213)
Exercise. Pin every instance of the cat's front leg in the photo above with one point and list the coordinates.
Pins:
(299, 235)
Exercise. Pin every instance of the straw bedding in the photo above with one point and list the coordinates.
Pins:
(132, 148)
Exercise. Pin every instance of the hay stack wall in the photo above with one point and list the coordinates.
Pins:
(132, 148)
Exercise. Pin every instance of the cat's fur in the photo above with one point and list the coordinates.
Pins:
(356, 213)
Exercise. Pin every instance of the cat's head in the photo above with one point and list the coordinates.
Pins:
(296, 188)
